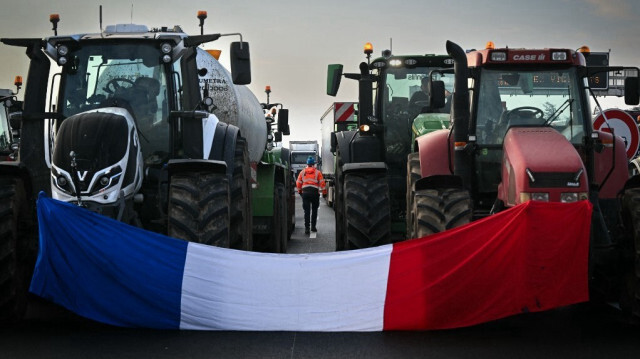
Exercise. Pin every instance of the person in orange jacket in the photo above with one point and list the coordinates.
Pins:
(310, 182)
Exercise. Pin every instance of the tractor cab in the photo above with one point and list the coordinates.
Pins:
(394, 107)
(401, 94)
(523, 128)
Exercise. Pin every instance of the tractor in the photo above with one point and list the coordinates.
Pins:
(522, 131)
(370, 174)
(122, 123)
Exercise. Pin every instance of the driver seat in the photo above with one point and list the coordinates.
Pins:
(144, 95)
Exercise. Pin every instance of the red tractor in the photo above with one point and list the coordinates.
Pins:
(522, 131)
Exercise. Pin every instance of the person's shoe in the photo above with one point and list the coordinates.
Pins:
(306, 230)
(313, 229)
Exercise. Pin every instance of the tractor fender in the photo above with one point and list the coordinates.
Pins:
(435, 149)
(354, 147)
(268, 175)
(343, 139)
(195, 165)
(633, 182)
(611, 183)
(438, 181)
(223, 145)
(364, 167)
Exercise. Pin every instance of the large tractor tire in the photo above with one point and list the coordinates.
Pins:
(435, 211)
(339, 209)
(240, 231)
(199, 208)
(413, 175)
(630, 299)
(15, 261)
(272, 242)
(367, 216)
(283, 218)
(275, 238)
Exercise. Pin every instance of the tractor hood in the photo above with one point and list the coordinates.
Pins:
(540, 159)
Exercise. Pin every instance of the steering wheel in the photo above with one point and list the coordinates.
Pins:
(116, 86)
(525, 112)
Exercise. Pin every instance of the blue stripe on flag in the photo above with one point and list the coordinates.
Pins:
(108, 271)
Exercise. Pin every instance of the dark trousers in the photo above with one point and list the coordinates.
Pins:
(310, 203)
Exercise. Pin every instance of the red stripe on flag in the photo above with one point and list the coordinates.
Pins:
(531, 258)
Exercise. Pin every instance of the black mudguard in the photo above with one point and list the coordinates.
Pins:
(224, 145)
(438, 181)
(193, 165)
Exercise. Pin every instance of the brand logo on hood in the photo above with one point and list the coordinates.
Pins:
(82, 175)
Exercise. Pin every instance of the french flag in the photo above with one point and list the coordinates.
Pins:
(530, 258)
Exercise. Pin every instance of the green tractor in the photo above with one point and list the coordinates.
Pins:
(371, 175)
(273, 193)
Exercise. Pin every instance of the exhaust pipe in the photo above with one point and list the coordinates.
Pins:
(460, 115)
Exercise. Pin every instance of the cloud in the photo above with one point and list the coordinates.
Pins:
(617, 9)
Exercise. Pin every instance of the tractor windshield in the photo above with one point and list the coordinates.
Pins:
(508, 98)
(406, 92)
(130, 76)
(403, 97)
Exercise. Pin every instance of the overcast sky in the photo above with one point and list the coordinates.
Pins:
(292, 41)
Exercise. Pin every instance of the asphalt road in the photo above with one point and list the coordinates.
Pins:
(579, 331)
(321, 241)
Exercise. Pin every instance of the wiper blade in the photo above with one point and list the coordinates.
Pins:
(557, 113)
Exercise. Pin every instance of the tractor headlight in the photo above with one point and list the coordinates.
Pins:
(104, 181)
(535, 196)
(569, 197)
(62, 181)
(165, 48)
(63, 50)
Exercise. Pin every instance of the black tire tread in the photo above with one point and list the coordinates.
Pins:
(413, 175)
(199, 208)
(240, 231)
(437, 210)
(630, 302)
(14, 261)
(367, 215)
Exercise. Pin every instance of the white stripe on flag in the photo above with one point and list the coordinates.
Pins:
(234, 290)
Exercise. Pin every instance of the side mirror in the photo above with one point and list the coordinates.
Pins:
(15, 120)
(283, 121)
(16, 106)
(240, 63)
(631, 95)
(436, 94)
(334, 75)
(277, 137)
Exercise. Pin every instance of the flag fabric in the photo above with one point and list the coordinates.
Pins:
(530, 258)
